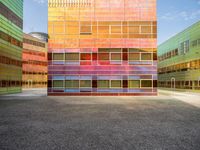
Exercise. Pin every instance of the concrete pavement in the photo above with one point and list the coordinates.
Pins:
(33, 122)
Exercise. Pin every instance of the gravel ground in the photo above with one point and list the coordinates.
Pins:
(98, 123)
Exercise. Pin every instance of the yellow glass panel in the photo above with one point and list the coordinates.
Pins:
(103, 29)
(85, 29)
(94, 29)
(50, 30)
(59, 29)
(72, 30)
(145, 29)
(104, 23)
(72, 23)
(134, 29)
(125, 29)
(118, 23)
(115, 29)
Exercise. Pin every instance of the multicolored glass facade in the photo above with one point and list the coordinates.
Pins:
(102, 47)
(179, 60)
(11, 35)
(34, 65)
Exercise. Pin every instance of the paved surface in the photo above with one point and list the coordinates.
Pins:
(29, 122)
(187, 97)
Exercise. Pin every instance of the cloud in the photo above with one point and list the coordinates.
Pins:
(183, 15)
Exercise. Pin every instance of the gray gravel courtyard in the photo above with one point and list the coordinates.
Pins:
(98, 123)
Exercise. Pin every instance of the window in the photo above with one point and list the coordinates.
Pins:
(176, 51)
(10, 39)
(146, 83)
(86, 30)
(58, 56)
(184, 47)
(103, 29)
(85, 56)
(116, 29)
(103, 56)
(85, 83)
(116, 84)
(103, 84)
(58, 83)
(116, 56)
(7, 13)
(198, 42)
(146, 29)
(134, 56)
(134, 29)
(194, 43)
(72, 56)
(146, 56)
(35, 43)
(134, 83)
(72, 83)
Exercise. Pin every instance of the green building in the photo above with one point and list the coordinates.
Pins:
(11, 35)
(179, 60)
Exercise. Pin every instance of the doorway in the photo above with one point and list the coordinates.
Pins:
(30, 83)
(173, 83)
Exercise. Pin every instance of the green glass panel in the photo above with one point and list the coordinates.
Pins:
(115, 56)
(72, 84)
(103, 84)
(134, 56)
(146, 56)
(116, 83)
(146, 83)
(58, 56)
(85, 83)
(58, 83)
(72, 56)
(134, 83)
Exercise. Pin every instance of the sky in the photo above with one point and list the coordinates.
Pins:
(173, 16)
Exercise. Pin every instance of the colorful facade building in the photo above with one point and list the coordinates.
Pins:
(102, 47)
(40, 35)
(179, 60)
(11, 35)
(34, 62)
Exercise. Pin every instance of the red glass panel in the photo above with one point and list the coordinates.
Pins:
(85, 56)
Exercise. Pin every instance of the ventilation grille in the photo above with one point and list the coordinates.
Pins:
(70, 3)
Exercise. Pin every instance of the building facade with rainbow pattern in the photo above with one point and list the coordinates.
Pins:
(102, 47)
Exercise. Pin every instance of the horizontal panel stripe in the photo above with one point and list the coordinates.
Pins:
(10, 39)
(10, 61)
(11, 16)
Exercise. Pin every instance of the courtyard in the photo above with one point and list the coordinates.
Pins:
(31, 121)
